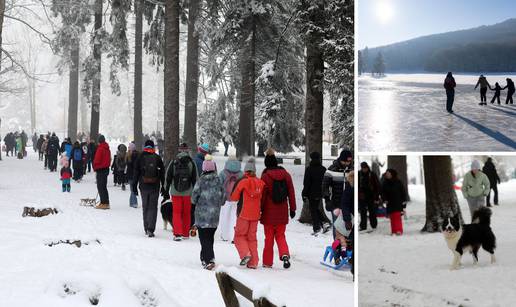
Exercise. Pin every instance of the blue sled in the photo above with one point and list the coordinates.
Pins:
(329, 257)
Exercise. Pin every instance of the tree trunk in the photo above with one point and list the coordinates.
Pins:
(441, 199)
(314, 100)
(73, 92)
(83, 113)
(314, 92)
(399, 163)
(171, 79)
(2, 9)
(247, 92)
(138, 75)
(97, 56)
(192, 77)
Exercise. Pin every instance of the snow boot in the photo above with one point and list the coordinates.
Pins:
(245, 260)
(102, 206)
(193, 231)
(123, 187)
(316, 233)
(286, 261)
(326, 228)
(209, 266)
(178, 238)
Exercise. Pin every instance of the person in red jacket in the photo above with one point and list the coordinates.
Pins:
(101, 164)
(278, 202)
(248, 192)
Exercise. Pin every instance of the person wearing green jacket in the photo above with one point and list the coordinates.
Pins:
(475, 187)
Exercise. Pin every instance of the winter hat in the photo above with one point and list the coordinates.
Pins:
(315, 156)
(346, 155)
(364, 165)
(149, 144)
(209, 165)
(183, 147)
(270, 158)
(204, 148)
(250, 165)
(132, 146)
(102, 139)
(475, 165)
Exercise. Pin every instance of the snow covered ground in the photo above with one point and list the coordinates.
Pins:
(414, 269)
(407, 113)
(127, 268)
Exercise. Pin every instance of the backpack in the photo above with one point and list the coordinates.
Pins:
(150, 169)
(229, 182)
(279, 191)
(182, 175)
(77, 154)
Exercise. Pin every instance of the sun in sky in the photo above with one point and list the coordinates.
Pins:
(384, 10)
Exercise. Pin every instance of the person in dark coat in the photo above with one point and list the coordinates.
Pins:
(511, 90)
(53, 152)
(490, 170)
(497, 89)
(312, 192)
(333, 182)
(35, 142)
(395, 196)
(149, 175)
(368, 196)
(76, 157)
(39, 144)
(484, 85)
(347, 209)
(449, 85)
(131, 158)
(92, 148)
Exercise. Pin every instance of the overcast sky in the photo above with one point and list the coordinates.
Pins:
(382, 22)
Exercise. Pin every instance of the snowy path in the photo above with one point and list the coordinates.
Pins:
(414, 269)
(400, 114)
(127, 268)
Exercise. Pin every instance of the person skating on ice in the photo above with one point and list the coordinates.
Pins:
(510, 91)
(449, 85)
(484, 86)
(497, 89)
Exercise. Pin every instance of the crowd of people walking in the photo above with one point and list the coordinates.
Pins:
(204, 199)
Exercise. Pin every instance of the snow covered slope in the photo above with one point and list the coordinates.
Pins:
(414, 269)
(127, 268)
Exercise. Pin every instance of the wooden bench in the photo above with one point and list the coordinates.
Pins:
(229, 285)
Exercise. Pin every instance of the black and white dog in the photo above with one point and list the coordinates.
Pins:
(470, 237)
(166, 212)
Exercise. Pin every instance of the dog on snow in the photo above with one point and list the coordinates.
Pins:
(470, 237)
(166, 212)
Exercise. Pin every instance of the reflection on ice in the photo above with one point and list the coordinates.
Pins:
(398, 113)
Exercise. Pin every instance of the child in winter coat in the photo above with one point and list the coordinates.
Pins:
(208, 195)
(394, 194)
(278, 202)
(248, 192)
(66, 175)
(497, 89)
(228, 213)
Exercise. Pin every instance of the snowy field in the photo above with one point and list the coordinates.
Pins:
(408, 113)
(126, 268)
(414, 269)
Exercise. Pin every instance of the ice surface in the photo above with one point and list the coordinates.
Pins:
(414, 269)
(407, 113)
(127, 264)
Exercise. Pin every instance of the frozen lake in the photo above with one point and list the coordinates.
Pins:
(406, 112)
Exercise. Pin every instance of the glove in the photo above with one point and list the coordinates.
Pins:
(292, 214)
(348, 225)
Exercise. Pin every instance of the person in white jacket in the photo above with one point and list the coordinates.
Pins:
(228, 214)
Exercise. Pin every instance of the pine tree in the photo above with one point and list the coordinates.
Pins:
(379, 65)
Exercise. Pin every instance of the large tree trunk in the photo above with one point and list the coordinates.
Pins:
(95, 91)
(441, 199)
(138, 74)
(192, 77)
(2, 9)
(314, 98)
(73, 92)
(399, 163)
(171, 79)
(247, 92)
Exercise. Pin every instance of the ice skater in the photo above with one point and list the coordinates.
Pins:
(484, 85)
(497, 89)
(449, 85)
(511, 90)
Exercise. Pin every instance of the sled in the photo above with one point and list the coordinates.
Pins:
(328, 259)
(89, 202)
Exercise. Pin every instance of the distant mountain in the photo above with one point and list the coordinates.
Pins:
(482, 49)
